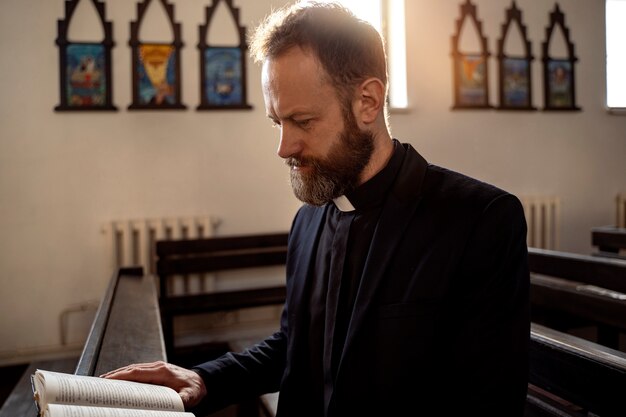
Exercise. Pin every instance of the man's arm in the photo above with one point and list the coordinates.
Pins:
(491, 306)
(229, 379)
(236, 377)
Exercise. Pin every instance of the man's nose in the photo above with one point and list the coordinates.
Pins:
(290, 144)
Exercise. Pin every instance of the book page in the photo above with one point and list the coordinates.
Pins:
(59, 410)
(59, 388)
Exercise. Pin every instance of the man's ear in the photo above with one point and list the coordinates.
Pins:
(370, 100)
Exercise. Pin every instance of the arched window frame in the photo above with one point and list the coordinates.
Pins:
(236, 55)
(65, 47)
(550, 65)
(464, 100)
(136, 45)
(512, 98)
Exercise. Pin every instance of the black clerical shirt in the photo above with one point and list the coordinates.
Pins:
(342, 249)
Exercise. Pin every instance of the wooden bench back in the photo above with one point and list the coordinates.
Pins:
(571, 291)
(196, 256)
(602, 272)
(190, 256)
(577, 371)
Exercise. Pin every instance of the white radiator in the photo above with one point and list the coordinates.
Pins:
(132, 243)
(542, 217)
(621, 210)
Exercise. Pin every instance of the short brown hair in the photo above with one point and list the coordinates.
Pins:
(349, 50)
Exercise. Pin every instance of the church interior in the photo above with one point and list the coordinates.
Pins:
(84, 192)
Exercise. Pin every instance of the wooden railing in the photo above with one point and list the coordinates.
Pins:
(127, 326)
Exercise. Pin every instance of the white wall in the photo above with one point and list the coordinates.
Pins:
(579, 156)
(64, 175)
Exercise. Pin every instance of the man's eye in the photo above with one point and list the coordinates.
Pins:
(303, 123)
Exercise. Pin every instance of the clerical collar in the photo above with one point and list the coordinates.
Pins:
(373, 191)
(343, 204)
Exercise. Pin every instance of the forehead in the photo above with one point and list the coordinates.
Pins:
(293, 78)
(294, 62)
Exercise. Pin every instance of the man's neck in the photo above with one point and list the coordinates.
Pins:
(383, 149)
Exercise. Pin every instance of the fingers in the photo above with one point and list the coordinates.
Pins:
(153, 372)
(187, 383)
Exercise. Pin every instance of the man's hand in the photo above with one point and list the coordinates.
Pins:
(187, 383)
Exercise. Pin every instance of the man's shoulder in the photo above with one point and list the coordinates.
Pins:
(452, 187)
(459, 201)
(460, 183)
(305, 216)
(441, 182)
(306, 211)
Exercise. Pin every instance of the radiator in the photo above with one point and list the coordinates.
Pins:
(621, 210)
(542, 217)
(132, 243)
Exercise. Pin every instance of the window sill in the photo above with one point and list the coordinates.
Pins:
(616, 111)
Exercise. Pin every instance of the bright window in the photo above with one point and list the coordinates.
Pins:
(387, 16)
(615, 54)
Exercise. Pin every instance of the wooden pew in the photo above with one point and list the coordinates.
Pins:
(126, 329)
(573, 291)
(570, 376)
(610, 240)
(197, 256)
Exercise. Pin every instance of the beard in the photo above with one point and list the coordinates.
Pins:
(338, 172)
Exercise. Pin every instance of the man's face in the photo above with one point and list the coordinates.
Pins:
(319, 138)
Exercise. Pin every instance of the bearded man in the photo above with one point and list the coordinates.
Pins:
(407, 284)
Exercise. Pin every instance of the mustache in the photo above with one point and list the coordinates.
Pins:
(294, 161)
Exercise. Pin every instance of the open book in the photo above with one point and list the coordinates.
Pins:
(66, 395)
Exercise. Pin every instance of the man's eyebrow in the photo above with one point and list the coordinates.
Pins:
(291, 116)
